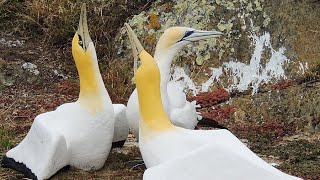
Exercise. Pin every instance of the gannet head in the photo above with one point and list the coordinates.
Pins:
(148, 65)
(82, 42)
(147, 78)
(175, 38)
(92, 89)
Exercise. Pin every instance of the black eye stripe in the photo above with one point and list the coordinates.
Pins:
(188, 33)
(80, 38)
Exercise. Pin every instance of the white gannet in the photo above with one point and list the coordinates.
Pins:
(171, 152)
(121, 126)
(181, 112)
(78, 134)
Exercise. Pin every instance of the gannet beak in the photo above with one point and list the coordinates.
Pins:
(197, 35)
(135, 45)
(83, 31)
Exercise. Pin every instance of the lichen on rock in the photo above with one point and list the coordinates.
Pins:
(243, 23)
(239, 20)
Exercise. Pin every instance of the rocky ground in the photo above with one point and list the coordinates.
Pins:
(280, 123)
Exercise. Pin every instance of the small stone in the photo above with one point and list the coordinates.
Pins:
(31, 68)
(274, 164)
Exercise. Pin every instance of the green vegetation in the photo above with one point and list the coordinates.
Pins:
(6, 137)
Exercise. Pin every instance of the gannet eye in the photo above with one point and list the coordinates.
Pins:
(80, 40)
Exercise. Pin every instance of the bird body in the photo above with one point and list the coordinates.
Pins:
(171, 152)
(182, 113)
(79, 134)
(70, 135)
(121, 125)
(217, 163)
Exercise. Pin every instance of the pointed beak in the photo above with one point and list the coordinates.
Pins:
(83, 31)
(135, 45)
(197, 35)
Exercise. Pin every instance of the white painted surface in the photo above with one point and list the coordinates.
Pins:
(212, 162)
(69, 135)
(121, 124)
(244, 76)
(202, 154)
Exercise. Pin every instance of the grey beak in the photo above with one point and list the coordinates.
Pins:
(83, 31)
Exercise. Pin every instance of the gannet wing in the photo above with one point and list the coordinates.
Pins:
(132, 113)
(211, 162)
(182, 112)
(176, 95)
(42, 145)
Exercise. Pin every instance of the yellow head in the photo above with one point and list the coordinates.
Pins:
(147, 79)
(85, 57)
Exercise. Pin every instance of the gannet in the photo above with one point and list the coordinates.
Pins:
(79, 133)
(171, 152)
(181, 112)
(121, 126)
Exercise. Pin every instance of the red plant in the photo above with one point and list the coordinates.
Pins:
(68, 87)
(219, 115)
(209, 99)
(281, 85)
(251, 129)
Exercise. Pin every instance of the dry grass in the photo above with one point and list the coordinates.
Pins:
(55, 21)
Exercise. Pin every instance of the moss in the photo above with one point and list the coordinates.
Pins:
(229, 5)
(6, 138)
(258, 5)
(223, 27)
(250, 7)
(300, 157)
(266, 22)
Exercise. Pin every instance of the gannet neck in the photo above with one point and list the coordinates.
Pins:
(152, 112)
(164, 60)
(92, 89)
(168, 46)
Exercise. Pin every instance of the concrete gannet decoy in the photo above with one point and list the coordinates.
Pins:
(121, 126)
(78, 134)
(181, 112)
(171, 152)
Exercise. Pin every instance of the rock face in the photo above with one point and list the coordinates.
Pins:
(270, 52)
